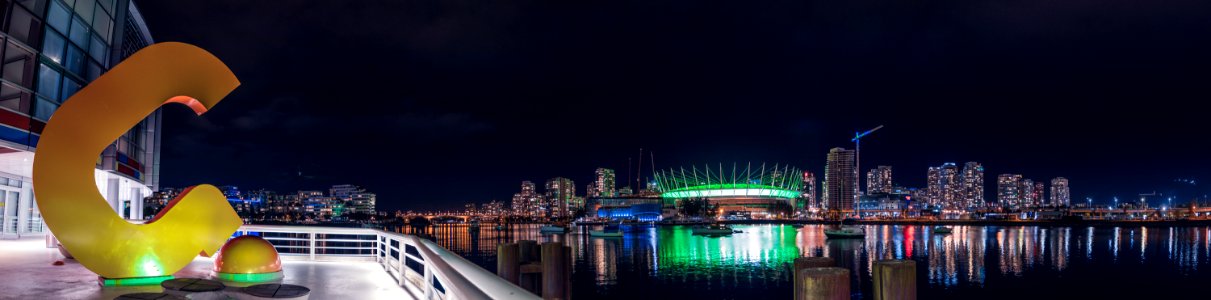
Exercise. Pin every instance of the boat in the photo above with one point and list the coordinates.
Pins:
(713, 229)
(847, 230)
(552, 229)
(607, 231)
(942, 229)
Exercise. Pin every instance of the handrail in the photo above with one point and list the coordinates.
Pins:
(442, 274)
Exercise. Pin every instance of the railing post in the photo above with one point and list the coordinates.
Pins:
(311, 245)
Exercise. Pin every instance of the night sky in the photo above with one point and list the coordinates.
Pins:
(433, 104)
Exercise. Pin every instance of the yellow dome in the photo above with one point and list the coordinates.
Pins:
(247, 255)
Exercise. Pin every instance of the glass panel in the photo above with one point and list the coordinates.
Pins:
(48, 82)
(79, 33)
(85, 9)
(23, 26)
(93, 71)
(44, 109)
(75, 60)
(97, 49)
(54, 46)
(58, 17)
(102, 22)
(36, 6)
(108, 5)
(70, 87)
(18, 65)
(13, 98)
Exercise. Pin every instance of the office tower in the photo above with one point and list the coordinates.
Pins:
(1008, 190)
(1060, 194)
(973, 185)
(841, 178)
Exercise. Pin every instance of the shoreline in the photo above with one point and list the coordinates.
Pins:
(1045, 223)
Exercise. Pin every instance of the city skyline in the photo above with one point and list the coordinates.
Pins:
(486, 104)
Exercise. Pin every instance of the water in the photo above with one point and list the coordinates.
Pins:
(974, 262)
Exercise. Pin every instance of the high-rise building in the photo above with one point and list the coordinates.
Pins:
(528, 202)
(561, 197)
(603, 184)
(1040, 193)
(1060, 194)
(878, 180)
(841, 180)
(952, 193)
(973, 185)
(53, 48)
(1008, 190)
(933, 185)
(809, 191)
(1028, 193)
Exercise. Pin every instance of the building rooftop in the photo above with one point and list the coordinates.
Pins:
(27, 271)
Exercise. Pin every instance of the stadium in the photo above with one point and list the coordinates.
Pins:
(741, 191)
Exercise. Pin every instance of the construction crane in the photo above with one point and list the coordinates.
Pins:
(857, 162)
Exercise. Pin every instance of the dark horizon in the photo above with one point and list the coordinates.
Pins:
(434, 105)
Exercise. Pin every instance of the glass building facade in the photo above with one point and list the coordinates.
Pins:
(52, 49)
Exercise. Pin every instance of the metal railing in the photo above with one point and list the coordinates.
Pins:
(420, 266)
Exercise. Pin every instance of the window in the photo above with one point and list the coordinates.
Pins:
(108, 5)
(79, 33)
(97, 49)
(70, 87)
(102, 22)
(85, 9)
(14, 98)
(44, 109)
(48, 82)
(58, 17)
(18, 65)
(53, 46)
(23, 26)
(93, 71)
(75, 60)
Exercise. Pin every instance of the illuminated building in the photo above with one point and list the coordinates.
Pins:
(354, 198)
(973, 184)
(561, 197)
(527, 202)
(1060, 194)
(752, 191)
(1028, 193)
(839, 176)
(952, 196)
(604, 183)
(52, 49)
(1008, 190)
(934, 185)
(878, 180)
(809, 191)
(1039, 193)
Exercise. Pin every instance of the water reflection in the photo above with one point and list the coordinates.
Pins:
(670, 260)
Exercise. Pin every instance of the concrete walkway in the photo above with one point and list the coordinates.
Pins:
(27, 272)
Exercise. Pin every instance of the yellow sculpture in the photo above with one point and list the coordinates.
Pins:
(248, 259)
(198, 220)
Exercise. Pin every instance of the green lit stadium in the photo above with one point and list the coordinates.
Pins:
(753, 190)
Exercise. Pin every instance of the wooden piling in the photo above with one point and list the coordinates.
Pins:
(830, 283)
(556, 271)
(529, 251)
(508, 265)
(810, 262)
(895, 280)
